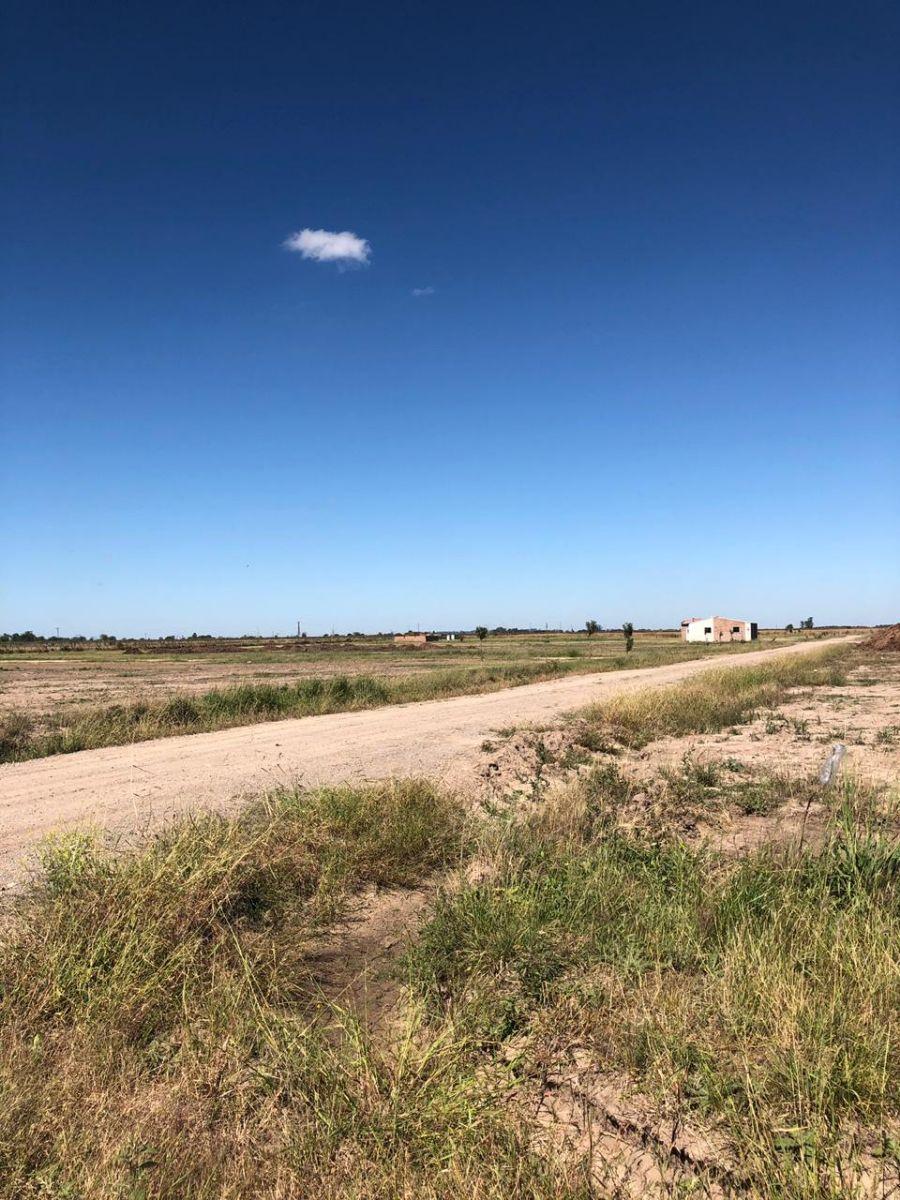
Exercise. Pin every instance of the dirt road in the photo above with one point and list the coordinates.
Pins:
(135, 787)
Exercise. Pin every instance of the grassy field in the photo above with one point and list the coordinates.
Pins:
(163, 1033)
(43, 708)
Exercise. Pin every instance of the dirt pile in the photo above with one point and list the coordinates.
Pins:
(884, 639)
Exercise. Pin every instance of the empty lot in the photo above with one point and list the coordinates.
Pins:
(43, 680)
(137, 786)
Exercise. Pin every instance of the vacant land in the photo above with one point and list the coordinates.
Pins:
(124, 787)
(56, 702)
(600, 968)
(39, 679)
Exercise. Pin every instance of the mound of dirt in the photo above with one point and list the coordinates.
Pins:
(884, 639)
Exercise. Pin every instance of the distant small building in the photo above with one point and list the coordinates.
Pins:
(717, 629)
(410, 639)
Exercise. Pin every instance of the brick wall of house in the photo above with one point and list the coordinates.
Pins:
(725, 630)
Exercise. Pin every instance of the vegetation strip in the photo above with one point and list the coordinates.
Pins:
(715, 699)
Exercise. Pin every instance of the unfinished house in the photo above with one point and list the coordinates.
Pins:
(717, 629)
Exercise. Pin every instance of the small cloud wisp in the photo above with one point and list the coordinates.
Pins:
(425, 291)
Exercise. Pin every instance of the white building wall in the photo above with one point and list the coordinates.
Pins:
(695, 630)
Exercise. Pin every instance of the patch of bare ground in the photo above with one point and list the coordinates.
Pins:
(639, 1148)
(352, 967)
(794, 738)
(61, 685)
(784, 747)
(633, 1148)
(698, 795)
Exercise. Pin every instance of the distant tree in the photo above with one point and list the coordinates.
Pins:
(591, 627)
(628, 630)
(481, 632)
(806, 623)
(789, 629)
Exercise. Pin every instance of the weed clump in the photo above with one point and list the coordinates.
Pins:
(16, 735)
(130, 940)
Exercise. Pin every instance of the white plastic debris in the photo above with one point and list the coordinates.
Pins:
(831, 765)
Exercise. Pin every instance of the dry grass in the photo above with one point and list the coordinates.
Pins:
(161, 1034)
(715, 699)
(764, 995)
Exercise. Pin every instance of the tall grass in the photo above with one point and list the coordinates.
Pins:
(127, 940)
(764, 995)
(715, 699)
(161, 1034)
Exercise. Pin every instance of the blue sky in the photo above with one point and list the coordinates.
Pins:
(655, 371)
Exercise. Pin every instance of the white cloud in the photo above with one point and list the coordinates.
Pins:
(322, 246)
(425, 291)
